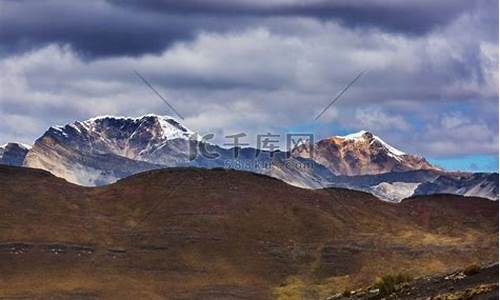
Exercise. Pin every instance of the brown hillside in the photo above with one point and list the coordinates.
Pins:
(220, 234)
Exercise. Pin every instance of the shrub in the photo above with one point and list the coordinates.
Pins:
(472, 269)
(346, 293)
(388, 284)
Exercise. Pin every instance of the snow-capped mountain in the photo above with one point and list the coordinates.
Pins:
(361, 153)
(13, 154)
(105, 149)
(133, 138)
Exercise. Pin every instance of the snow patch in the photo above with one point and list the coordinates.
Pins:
(173, 129)
(389, 147)
(170, 126)
(394, 192)
(59, 129)
(24, 146)
(353, 136)
(360, 135)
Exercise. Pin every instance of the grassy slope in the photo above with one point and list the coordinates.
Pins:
(216, 234)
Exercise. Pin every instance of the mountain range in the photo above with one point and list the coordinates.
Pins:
(102, 150)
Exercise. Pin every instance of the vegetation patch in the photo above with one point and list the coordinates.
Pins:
(391, 283)
(472, 270)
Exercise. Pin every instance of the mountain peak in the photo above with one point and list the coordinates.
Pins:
(16, 144)
(13, 153)
(113, 117)
(366, 135)
(362, 153)
(158, 127)
(169, 126)
(140, 138)
(357, 135)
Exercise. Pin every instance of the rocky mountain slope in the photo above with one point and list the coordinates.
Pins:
(101, 150)
(13, 154)
(362, 153)
(395, 186)
(222, 234)
(467, 184)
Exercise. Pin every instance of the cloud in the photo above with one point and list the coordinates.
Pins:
(94, 28)
(421, 94)
(19, 128)
(456, 134)
(376, 119)
(412, 17)
(99, 28)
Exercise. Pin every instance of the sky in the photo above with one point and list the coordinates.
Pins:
(259, 66)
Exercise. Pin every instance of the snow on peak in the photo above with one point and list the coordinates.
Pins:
(389, 147)
(20, 145)
(24, 146)
(171, 128)
(124, 118)
(354, 136)
(363, 134)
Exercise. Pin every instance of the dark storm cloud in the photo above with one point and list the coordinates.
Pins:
(111, 28)
(412, 17)
(94, 28)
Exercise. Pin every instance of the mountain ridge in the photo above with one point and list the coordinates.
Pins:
(103, 149)
(362, 153)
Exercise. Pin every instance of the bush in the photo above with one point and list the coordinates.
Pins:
(346, 293)
(472, 269)
(388, 284)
